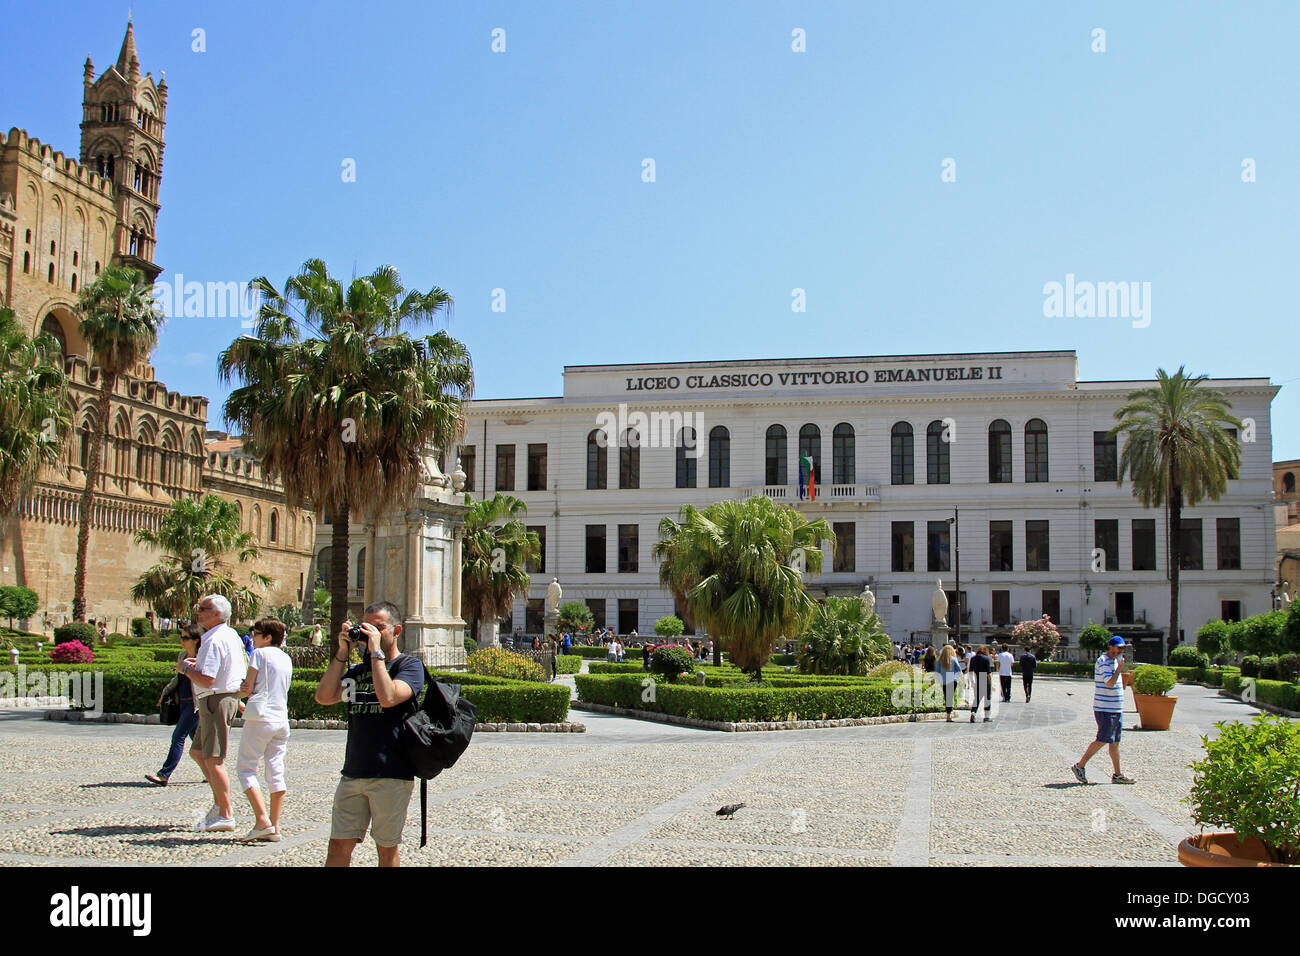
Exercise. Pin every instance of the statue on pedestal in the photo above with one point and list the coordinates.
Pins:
(868, 599)
(553, 595)
(939, 603)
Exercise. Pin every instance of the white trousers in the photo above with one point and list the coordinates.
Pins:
(259, 740)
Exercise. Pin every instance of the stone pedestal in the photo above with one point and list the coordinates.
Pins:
(417, 566)
(489, 634)
(551, 623)
(938, 634)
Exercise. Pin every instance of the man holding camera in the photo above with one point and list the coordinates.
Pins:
(378, 778)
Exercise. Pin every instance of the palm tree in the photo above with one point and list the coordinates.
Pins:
(340, 401)
(120, 321)
(843, 638)
(195, 535)
(1177, 450)
(737, 565)
(34, 417)
(494, 550)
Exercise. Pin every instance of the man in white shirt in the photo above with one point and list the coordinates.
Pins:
(1005, 660)
(216, 673)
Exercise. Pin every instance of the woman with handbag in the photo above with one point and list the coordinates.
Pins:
(178, 697)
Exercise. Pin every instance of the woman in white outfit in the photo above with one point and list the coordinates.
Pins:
(266, 726)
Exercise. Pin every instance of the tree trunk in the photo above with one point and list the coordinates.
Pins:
(1175, 560)
(98, 433)
(339, 519)
(717, 653)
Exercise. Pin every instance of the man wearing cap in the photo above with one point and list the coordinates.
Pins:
(1108, 708)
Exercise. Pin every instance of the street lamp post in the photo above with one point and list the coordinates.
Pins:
(956, 552)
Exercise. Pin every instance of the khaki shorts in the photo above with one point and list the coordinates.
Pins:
(216, 711)
(377, 802)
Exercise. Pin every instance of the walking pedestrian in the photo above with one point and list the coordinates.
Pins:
(927, 664)
(968, 655)
(217, 671)
(1005, 660)
(949, 670)
(1027, 664)
(1108, 709)
(981, 672)
(188, 721)
(266, 727)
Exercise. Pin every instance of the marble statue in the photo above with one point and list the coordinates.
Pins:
(939, 603)
(553, 594)
(868, 599)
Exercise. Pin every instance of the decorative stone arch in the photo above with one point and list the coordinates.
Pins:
(146, 452)
(292, 540)
(120, 445)
(193, 476)
(63, 309)
(255, 523)
(169, 454)
(273, 527)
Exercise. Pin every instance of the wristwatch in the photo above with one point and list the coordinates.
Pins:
(378, 654)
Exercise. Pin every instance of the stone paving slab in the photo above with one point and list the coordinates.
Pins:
(628, 793)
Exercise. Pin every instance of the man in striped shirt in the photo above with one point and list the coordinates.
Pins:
(1108, 708)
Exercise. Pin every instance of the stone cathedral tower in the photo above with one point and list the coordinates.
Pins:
(123, 116)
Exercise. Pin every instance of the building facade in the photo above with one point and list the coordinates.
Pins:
(61, 222)
(1286, 511)
(994, 471)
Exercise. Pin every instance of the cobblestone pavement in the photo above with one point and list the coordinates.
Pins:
(638, 793)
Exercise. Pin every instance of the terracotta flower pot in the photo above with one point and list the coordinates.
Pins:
(1223, 849)
(1126, 677)
(1155, 710)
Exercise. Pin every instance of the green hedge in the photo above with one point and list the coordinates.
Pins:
(601, 653)
(497, 699)
(1059, 669)
(1275, 692)
(568, 663)
(738, 703)
(604, 667)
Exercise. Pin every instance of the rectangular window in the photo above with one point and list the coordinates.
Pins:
(628, 616)
(535, 616)
(1001, 608)
(628, 547)
(505, 467)
(1144, 544)
(845, 546)
(538, 566)
(1230, 610)
(597, 608)
(537, 467)
(467, 460)
(687, 461)
(595, 563)
(1124, 607)
(1038, 546)
(1190, 546)
(936, 546)
(1000, 552)
(1228, 531)
(1105, 538)
(1052, 605)
(1105, 460)
(902, 545)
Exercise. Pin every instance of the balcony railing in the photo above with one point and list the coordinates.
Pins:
(856, 493)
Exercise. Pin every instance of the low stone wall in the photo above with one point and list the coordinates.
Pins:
(747, 726)
(77, 716)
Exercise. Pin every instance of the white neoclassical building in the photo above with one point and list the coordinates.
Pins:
(992, 471)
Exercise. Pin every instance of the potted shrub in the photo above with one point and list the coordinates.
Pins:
(1248, 783)
(1151, 686)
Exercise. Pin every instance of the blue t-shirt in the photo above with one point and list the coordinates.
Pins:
(374, 748)
(1108, 700)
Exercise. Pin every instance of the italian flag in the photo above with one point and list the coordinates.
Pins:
(807, 478)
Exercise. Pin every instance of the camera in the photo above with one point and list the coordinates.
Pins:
(357, 635)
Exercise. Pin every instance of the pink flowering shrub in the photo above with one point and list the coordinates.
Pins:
(72, 652)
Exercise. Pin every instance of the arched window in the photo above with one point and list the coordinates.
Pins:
(293, 530)
(84, 454)
(900, 454)
(361, 570)
(324, 565)
(936, 455)
(275, 526)
(121, 447)
(999, 453)
(27, 263)
(255, 524)
(1036, 450)
(775, 471)
(687, 457)
(810, 445)
(597, 459)
(50, 274)
(54, 329)
(74, 282)
(719, 457)
(1288, 483)
(629, 460)
(844, 445)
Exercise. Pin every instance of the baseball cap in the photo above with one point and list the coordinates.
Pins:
(1117, 641)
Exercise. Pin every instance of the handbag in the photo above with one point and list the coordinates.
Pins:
(170, 711)
(435, 735)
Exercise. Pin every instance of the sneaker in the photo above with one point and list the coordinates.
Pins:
(265, 834)
(1120, 778)
(157, 779)
(1079, 774)
(208, 817)
(219, 825)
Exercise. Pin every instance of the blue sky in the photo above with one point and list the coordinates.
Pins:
(774, 170)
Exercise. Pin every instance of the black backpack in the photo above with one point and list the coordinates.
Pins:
(435, 735)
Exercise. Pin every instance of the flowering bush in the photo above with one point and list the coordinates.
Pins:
(1039, 637)
(496, 662)
(72, 652)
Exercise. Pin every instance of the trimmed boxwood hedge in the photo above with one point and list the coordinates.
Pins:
(604, 667)
(602, 653)
(568, 663)
(739, 703)
(1275, 692)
